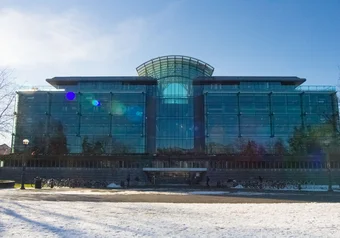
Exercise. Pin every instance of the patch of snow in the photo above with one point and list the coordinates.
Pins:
(113, 185)
(308, 188)
(261, 193)
(101, 219)
(252, 193)
(316, 187)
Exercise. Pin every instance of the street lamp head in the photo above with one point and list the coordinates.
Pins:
(25, 141)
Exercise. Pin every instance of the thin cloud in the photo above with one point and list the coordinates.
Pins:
(30, 40)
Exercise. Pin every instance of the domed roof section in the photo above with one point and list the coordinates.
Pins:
(175, 66)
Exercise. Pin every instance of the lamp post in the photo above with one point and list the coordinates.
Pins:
(25, 142)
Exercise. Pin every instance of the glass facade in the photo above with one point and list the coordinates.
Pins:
(175, 100)
(264, 118)
(175, 105)
(57, 125)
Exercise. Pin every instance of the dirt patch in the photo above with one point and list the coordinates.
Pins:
(182, 197)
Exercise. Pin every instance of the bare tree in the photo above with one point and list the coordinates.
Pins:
(7, 98)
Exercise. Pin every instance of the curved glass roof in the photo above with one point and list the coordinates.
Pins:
(175, 66)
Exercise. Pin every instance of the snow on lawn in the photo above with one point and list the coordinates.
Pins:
(314, 188)
(113, 185)
(89, 219)
(307, 188)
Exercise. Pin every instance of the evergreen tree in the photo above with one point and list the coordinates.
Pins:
(58, 141)
(279, 147)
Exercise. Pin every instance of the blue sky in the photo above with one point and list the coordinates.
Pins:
(41, 39)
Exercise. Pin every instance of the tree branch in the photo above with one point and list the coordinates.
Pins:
(7, 96)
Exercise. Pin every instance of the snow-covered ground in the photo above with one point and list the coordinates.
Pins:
(89, 219)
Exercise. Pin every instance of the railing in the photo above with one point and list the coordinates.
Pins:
(316, 88)
(272, 88)
(212, 88)
(98, 163)
(39, 88)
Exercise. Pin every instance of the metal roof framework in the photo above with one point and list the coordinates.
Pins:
(174, 69)
(175, 65)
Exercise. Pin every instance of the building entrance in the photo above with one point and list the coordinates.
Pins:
(173, 176)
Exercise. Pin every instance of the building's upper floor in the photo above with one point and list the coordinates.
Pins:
(216, 83)
(162, 71)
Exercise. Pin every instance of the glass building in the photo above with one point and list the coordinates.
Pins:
(174, 106)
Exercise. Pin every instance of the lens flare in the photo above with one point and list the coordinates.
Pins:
(118, 108)
(134, 113)
(70, 96)
(95, 103)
